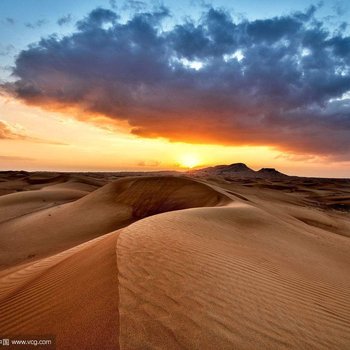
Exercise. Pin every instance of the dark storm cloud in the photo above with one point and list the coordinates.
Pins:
(9, 20)
(96, 19)
(39, 23)
(64, 20)
(281, 81)
(135, 5)
(340, 8)
(113, 4)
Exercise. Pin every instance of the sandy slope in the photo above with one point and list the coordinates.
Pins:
(18, 204)
(72, 295)
(45, 231)
(233, 277)
(263, 266)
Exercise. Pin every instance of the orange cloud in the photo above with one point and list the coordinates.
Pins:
(8, 132)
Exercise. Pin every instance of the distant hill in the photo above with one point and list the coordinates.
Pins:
(239, 170)
(270, 173)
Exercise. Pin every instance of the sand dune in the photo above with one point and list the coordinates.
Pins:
(113, 206)
(235, 277)
(18, 204)
(168, 262)
(153, 195)
(73, 295)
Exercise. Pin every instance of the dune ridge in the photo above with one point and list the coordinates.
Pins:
(104, 210)
(18, 204)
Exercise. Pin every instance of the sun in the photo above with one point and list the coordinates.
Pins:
(189, 161)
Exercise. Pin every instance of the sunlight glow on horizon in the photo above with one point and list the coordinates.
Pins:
(189, 160)
(87, 147)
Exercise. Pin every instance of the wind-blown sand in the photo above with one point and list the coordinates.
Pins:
(73, 295)
(168, 262)
(231, 276)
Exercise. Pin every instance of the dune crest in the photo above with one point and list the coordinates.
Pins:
(154, 195)
(53, 227)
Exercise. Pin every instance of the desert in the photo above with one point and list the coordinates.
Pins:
(195, 260)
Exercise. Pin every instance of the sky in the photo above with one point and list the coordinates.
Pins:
(136, 85)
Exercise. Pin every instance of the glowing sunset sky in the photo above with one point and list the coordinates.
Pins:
(108, 85)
